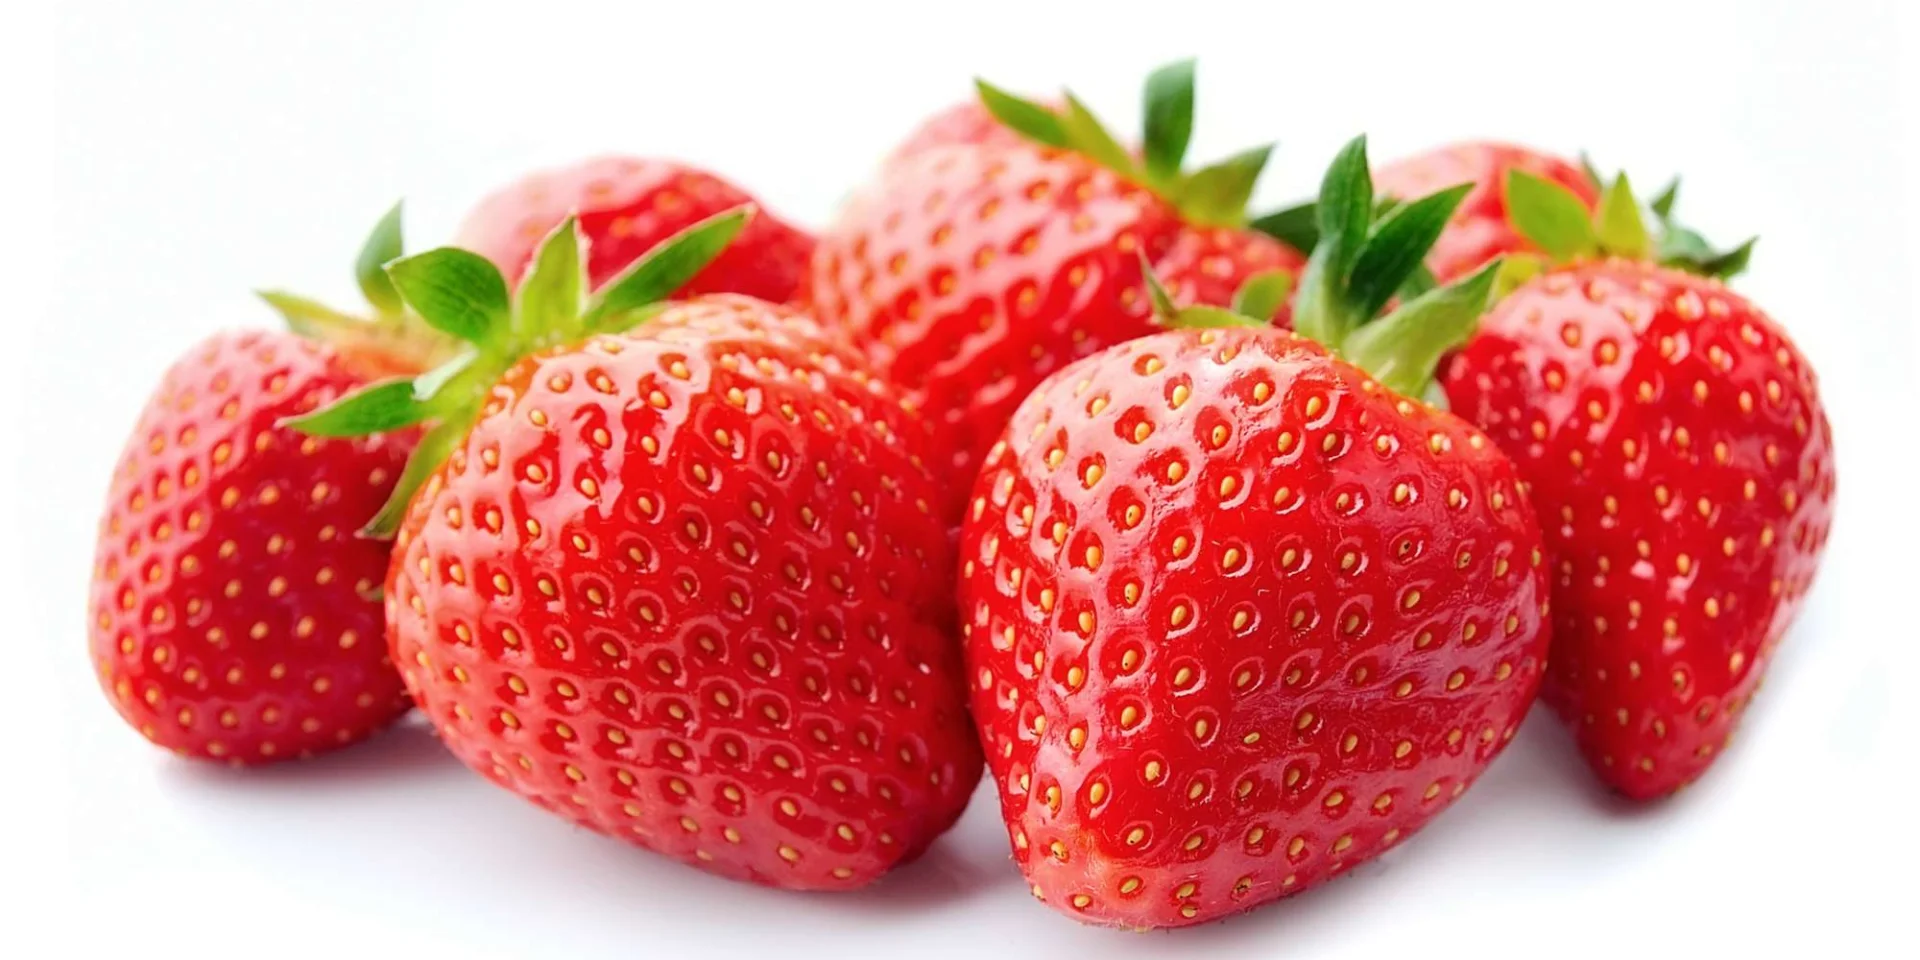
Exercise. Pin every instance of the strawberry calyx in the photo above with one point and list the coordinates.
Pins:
(463, 296)
(390, 337)
(1554, 219)
(1363, 261)
(1215, 195)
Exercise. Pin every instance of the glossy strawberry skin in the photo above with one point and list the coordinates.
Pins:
(1236, 618)
(687, 587)
(1683, 468)
(969, 273)
(626, 206)
(1480, 229)
(235, 611)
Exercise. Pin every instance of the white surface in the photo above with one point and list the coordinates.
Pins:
(176, 155)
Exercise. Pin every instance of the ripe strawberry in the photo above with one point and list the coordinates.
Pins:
(970, 271)
(684, 585)
(1683, 468)
(626, 206)
(1239, 611)
(235, 612)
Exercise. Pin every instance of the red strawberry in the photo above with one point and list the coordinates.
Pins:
(1480, 229)
(625, 207)
(235, 612)
(970, 271)
(1240, 614)
(685, 585)
(1683, 468)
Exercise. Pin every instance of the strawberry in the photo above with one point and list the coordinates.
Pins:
(971, 270)
(625, 206)
(236, 615)
(684, 584)
(1683, 467)
(1480, 229)
(1240, 611)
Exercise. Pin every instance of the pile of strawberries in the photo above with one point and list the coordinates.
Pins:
(1234, 548)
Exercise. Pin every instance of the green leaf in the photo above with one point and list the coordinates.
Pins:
(1398, 245)
(665, 269)
(1418, 282)
(550, 293)
(1663, 204)
(383, 246)
(1296, 226)
(1023, 116)
(1263, 294)
(388, 405)
(1618, 226)
(1217, 195)
(1401, 349)
(1592, 172)
(1157, 295)
(1732, 263)
(309, 318)
(1168, 110)
(427, 457)
(1550, 216)
(455, 291)
(1681, 246)
(1516, 270)
(428, 385)
(1089, 136)
(1345, 206)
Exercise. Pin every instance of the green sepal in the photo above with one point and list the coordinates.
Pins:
(1617, 223)
(1592, 171)
(1297, 226)
(457, 292)
(1550, 216)
(550, 295)
(1167, 108)
(427, 456)
(309, 318)
(1369, 252)
(1663, 204)
(1263, 294)
(1402, 349)
(387, 405)
(1516, 270)
(1322, 311)
(385, 244)
(662, 270)
(1217, 194)
(1397, 245)
(1023, 116)
(463, 294)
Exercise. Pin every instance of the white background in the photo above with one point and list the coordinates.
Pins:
(161, 159)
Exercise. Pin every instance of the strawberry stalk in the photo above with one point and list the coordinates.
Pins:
(1362, 261)
(1215, 195)
(463, 296)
